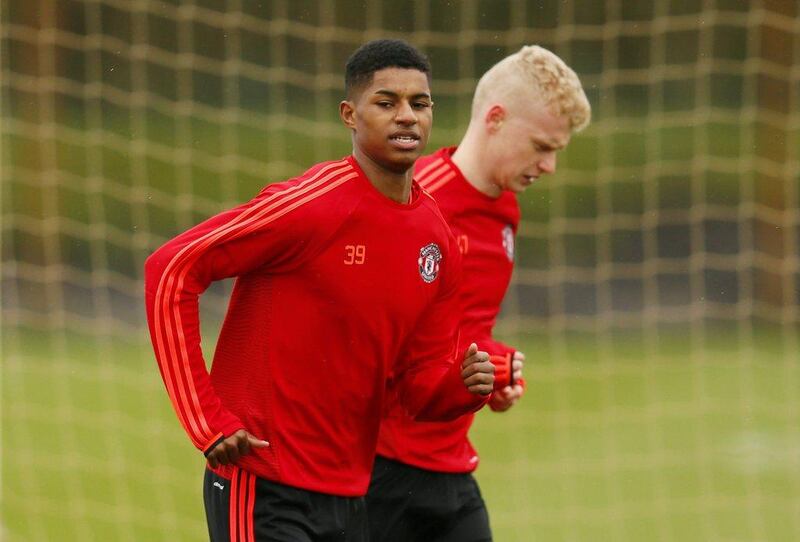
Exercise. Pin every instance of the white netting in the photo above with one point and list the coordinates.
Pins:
(656, 293)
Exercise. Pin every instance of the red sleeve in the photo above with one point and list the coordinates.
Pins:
(261, 232)
(429, 373)
(491, 346)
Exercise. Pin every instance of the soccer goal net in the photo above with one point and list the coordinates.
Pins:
(657, 280)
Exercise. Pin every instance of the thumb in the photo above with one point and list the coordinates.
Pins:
(471, 350)
(256, 442)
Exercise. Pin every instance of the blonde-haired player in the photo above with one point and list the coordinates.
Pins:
(524, 111)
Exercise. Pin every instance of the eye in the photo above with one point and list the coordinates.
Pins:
(385, 104)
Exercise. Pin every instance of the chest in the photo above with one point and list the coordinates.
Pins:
(487, 243)
(389, 267)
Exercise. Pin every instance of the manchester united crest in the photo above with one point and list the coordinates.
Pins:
(508, 242)
(429, 258)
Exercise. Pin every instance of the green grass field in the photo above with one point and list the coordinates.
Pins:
(677, 443)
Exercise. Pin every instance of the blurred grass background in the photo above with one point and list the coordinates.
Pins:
(691, 444)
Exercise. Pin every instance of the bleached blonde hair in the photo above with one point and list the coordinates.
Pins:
(537, 73)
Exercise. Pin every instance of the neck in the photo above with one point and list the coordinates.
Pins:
(394, 185)
(469, 157)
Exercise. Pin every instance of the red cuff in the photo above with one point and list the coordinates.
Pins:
(212, 443)
(503, 374)
(227, 430)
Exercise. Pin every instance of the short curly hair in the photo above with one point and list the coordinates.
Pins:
(534, 68)
(380, 54)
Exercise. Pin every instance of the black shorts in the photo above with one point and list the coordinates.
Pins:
(408, 504)
(247, 508)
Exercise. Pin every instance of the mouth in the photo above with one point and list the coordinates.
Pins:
(527, 180)
(405, 141)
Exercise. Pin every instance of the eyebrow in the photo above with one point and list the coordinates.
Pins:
(393, 94)
(549, 144)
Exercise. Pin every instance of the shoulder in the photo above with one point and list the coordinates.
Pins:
(317, 179)
(326, 191)
(425, 164)
(327, 180)
(435, 170)
(439, 221)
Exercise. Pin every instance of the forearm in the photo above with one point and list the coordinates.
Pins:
(173, 320)
(440, 394)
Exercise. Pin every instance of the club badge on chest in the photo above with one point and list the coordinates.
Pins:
(508, 242)
(429, 257)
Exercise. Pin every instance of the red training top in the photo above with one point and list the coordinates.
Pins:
(484, 228)
(337, 286)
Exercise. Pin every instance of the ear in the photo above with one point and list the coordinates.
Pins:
(347, 112)
(494, 118)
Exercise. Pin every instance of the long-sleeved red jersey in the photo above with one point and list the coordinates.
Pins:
(338, 288)
(485, 229)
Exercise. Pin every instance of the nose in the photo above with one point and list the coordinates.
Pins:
(405, 114)
(548, 163)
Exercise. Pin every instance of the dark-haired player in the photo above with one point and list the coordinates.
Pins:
(346, 276)
(524, 111)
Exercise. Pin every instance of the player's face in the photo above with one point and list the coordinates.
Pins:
(391, 117)
(523, 146)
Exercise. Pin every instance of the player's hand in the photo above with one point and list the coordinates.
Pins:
(232, 448)
(477, 371)
(517, 364)
(505, 398)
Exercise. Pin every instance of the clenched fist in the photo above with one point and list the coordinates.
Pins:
(477, 371)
